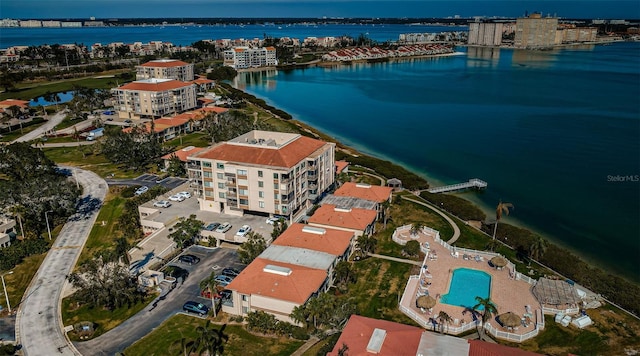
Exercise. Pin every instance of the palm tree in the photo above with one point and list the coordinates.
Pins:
(445, 319)
(210, 340)
(386, 209)
(488, 309)
(502, 207)
(366, 243)
(299, 315)
(537, 248)
(52, 97)
(416, 228)
(212, 285)
(18, 211)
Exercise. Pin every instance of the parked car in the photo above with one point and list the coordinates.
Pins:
(176, 197)
(224, 227)
(195, 307)
(272, 221)
(244, 230)
(162, 204)
(212, 227)
(189, 259)
(141, 190)
(230, 272)
(223, 281)
(186, 195)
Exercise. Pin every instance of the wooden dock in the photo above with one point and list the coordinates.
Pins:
(472, 183)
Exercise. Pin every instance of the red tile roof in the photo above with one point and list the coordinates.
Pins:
(364, 191)
(483, 348)
(341, 165)
(287, 156)
(400, 339)
(155, 86)
(355, 219)
(334, 242)
(297, 287)
(183, 153)
(11, 102)
(165, 63)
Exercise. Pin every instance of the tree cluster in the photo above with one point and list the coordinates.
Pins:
(30, 186)
(222, 73)
(230, 125)
(279, 227)
(457, 206)
(265, 323)
(14, 254)
(134, 150)
(209, 341)
(324, 312)
(107, 285)
(237, 95)
(251, 248)
(186, 231)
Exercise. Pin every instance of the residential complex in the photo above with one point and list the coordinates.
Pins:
(154, 98)
(536, 31)
(7, 231)
(166, 128)
(264, 172)
(165, 69)
(297, 266)
(246, 57)
(357, 220)
(485, 33)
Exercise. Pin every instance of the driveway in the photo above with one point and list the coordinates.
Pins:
(38, 324)
(49, 125)
(141, 324)
(149, 180)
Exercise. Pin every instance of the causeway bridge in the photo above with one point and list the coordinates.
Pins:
(472, 183)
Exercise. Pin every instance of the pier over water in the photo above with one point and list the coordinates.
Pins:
(474, 183)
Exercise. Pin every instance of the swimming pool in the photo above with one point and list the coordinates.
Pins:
(467, 284)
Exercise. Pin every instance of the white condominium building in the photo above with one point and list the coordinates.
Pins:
(485, 34)
(263, 172)
(536, 31)
(154, 98)
(245, 57)
(165, 69)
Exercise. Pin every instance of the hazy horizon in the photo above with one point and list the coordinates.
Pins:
(103, 9)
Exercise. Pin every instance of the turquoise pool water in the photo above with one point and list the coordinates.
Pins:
(467, 284)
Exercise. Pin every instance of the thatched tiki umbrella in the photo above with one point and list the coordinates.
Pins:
(498, 261)
(425, 301)
(509, 319)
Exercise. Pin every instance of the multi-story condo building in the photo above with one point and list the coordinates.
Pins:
(165, 69)
(245, 57)
(535, 31)
(485, 33)
(153, 98)
(264, 172)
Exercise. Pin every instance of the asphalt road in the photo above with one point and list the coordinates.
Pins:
(39, 325)
(136, 327)
(149, 180)
(49, 125)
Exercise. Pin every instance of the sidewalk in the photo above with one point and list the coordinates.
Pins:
(306, 346)
(401, 260)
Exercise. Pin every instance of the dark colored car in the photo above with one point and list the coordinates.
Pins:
(212, 226)
(189, 259)
(195, 307)
(231, 272)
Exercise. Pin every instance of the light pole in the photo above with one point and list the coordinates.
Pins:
(5, 290)
(47, 219)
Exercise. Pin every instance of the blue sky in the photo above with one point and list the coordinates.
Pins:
(617, 9)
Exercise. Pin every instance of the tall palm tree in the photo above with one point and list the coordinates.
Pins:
(211, 284)
(502, 207)
(18, 211)
(299, 315)
(210, 340)
(537, 248)
(445, 319)
(416, 228)
(488, 309)
(366, 243)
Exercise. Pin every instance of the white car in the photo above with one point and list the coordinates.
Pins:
(186, 195)
(176, 197)
(272, 221)
(162, 204)
(224, 227)
(142, 190)
(243, 230)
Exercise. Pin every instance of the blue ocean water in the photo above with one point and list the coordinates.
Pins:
(557, 133)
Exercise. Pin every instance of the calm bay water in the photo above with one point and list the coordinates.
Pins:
(556, 133)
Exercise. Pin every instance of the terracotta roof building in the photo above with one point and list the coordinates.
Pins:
(359, 221)
(375, 193)
(165, 69)
(264, 172)
(342, 166)
(154, 98)
(7, 103)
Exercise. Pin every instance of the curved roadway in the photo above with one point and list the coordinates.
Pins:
(454, 226)
(47, 126)
(39, 325)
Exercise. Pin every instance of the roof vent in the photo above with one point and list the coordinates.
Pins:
(314, 230)
(363, 185)
(342, 210)
(283, 271)
(375, 342)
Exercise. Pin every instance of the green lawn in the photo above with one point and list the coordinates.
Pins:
(104, 232)
(18, 282)
(197, 139)
(166, 340)
(103, 319)
(26, 128)
(97, 163)
(28, 91)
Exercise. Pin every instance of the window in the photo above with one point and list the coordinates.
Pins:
(220, 165)
(261, 204)
(245, 310)
(221, 195)
(242, 172)
(207, 174)
(206, 164)
(260, 174)
(245, 298)
(260, 194)
(221, 185)
(244, 201)
(243, 192)
(208, 184)
(260, 184)
(275, 176)
(276, 186)
(220, 175)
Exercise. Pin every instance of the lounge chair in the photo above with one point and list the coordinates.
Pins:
(455, 254)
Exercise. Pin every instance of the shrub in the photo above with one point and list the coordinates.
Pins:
(462, 208)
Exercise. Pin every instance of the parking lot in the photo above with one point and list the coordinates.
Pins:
(149, 180)
(158, 245)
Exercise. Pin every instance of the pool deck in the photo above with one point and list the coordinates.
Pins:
(507, 293)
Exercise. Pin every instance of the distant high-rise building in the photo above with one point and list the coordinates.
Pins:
(31, 23)
(535, 31)
(245, 57)
(165, 69)
(485, 34)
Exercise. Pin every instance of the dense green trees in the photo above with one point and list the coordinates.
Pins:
(13, 255)
(222, 73)
(412, 248)
(134, 150)
(278, 228)
(210, 341)
(262, 322)
(251, 248)
(186, 231)
(324, 312)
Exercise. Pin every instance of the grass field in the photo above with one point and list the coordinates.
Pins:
(166, 340)
(73, 156)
